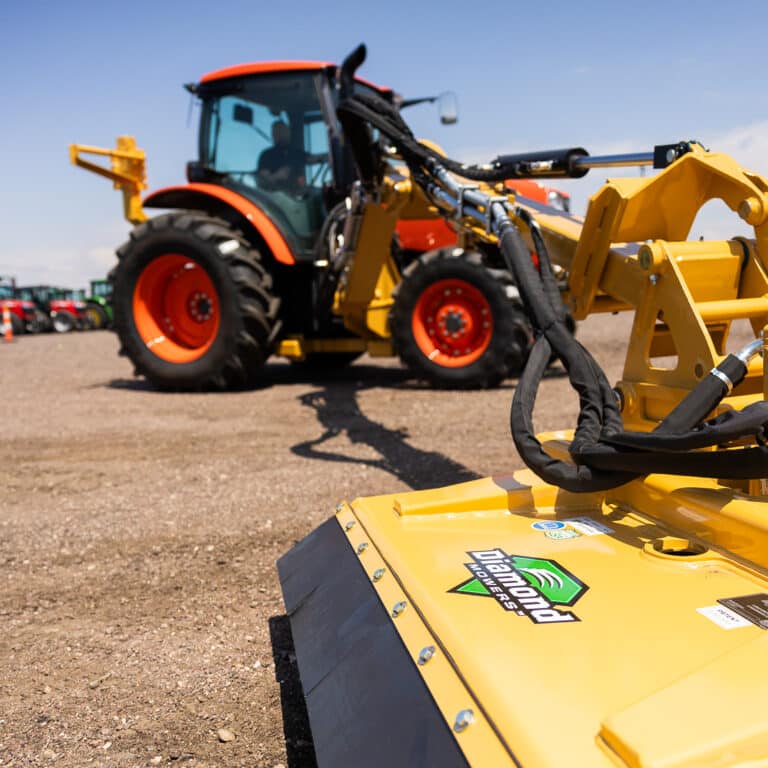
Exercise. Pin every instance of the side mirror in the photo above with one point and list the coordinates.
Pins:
(448, 108)
(242, 114)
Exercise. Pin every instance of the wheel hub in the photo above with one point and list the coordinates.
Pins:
(200, 307)
(452, 323)
(176, 308)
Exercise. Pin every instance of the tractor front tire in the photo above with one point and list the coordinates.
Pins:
(193, 306)
(457, 323)
(17, 325)
(97, 316)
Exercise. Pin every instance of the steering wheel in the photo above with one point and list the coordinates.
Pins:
(241, 176)
(321, 175)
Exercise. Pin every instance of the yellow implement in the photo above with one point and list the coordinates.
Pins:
(510, 622)
(127, 169)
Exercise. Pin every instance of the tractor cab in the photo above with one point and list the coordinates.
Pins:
(269, 132)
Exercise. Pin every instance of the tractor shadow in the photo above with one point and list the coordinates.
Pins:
(281, 373)
(338, 412)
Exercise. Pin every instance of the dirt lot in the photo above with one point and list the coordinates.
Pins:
(140, 608)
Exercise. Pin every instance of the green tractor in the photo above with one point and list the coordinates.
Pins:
(99, 304)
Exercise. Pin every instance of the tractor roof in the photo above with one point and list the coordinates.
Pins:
(262, 67)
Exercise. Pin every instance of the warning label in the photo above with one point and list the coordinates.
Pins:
(753, 608)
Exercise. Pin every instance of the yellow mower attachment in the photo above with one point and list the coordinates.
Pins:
(504, 622)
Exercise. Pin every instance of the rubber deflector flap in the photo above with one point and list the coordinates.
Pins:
(368, 705)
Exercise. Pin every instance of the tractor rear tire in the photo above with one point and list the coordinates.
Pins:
(457, 323)
(193, 304)
(64, 322)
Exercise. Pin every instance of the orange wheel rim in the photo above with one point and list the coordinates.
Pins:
(452, 323)
(176, 308)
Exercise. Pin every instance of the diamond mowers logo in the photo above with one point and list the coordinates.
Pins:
(529, 586)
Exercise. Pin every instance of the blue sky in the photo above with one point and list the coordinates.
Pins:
(608, 76)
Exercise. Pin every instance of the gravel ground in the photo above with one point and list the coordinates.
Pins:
(142, 621)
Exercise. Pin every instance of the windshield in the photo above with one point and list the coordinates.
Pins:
(101, 288)
(254, 126)
(266, 137)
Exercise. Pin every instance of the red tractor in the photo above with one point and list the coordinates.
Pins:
(58, 309)
(275, 247)
(23, 315)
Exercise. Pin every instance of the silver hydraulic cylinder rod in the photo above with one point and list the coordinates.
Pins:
(614, 161)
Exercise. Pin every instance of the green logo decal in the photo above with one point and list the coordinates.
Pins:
(529, 586)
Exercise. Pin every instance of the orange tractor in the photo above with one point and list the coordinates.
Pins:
(275, 248)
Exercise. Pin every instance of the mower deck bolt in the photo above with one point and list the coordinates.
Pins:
(349, 525)
(426, 654)
(463, 720)
(339, 508)
(362, 547)
(378, 573)
(398, 608)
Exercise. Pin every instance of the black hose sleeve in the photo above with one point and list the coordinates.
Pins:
(704, 397)
(573, 477)
(546, 273)
(739, 463)
(724, 428)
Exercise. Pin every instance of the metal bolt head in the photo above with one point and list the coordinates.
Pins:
(653, 279)
(426, 654)
(378, 573)
(362, 547)
(398, 608)
(463, 720)
(350, 524)
(339, 509)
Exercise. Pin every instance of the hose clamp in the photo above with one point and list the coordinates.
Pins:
(460, 199)
(489, 205)
(718, 374)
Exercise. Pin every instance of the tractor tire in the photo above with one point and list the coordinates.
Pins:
(64, 322)
(17, 325)
(457, 323)
(192, 303)
(96, 315)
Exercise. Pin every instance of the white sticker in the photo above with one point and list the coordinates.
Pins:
(724, 617)
(228, 246)
(587, 526)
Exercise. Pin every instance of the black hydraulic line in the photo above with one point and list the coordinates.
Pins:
(604, 454)
(706, 395)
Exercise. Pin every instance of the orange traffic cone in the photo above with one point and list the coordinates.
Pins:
(7, 325)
